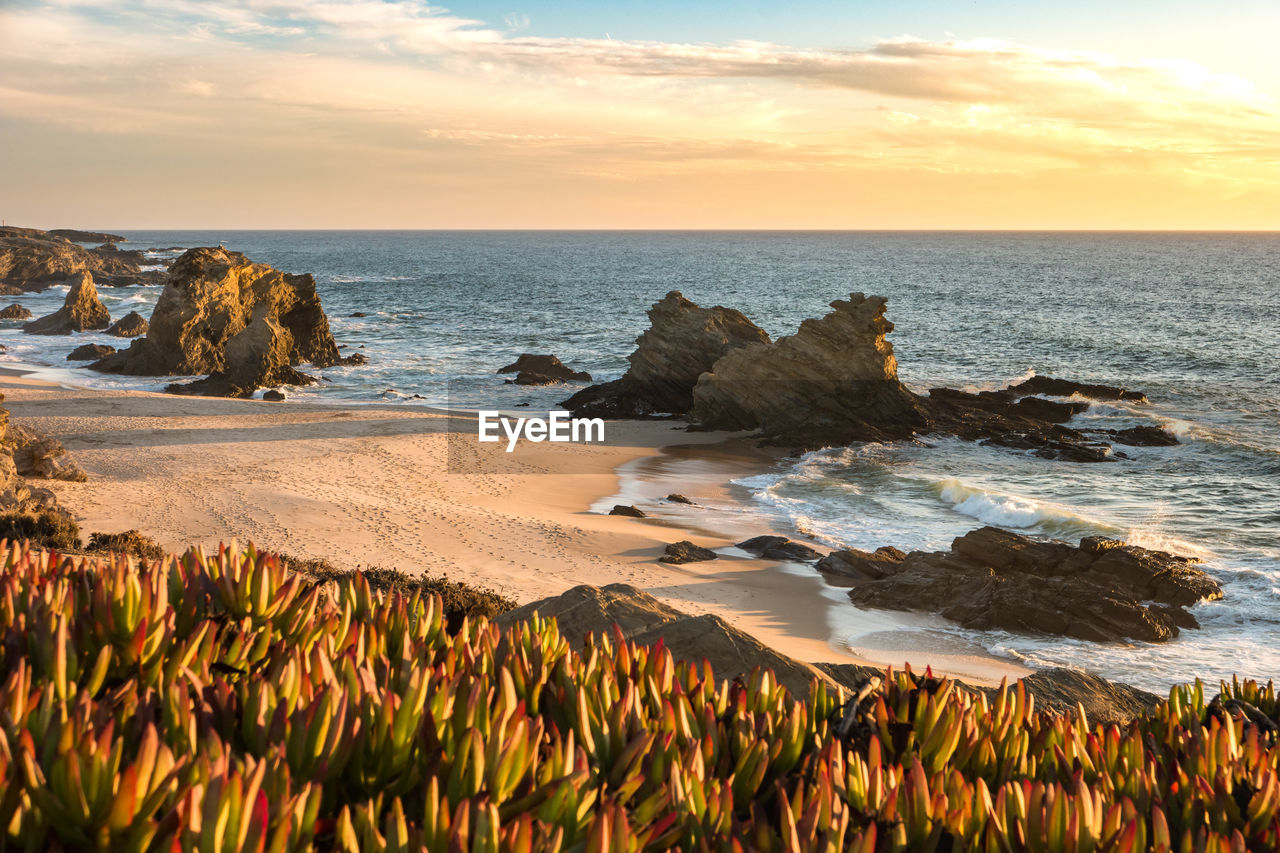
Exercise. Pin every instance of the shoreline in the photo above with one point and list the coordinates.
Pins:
(369, 485)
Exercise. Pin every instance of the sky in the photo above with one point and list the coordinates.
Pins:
(918, 114)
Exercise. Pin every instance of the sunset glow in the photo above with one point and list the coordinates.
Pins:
(295, 113)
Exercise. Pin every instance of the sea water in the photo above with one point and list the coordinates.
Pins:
(1191, 319)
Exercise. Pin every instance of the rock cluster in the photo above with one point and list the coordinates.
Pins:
(81, 311)
(131, 325)
(683, 341)
(246, 325)
(994, 579)
(31, 260)
(542, 370)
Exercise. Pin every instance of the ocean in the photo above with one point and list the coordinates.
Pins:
(1192, 319)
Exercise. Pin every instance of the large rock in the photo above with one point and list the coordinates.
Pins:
(834, 381)
(81, 311)
(87, 236)
(42, 456)
(993, 579)
(246, 325)
(131, 325)
(32, 260)
(15, 312)
(682, 342)
(90, 352)
(533, 369)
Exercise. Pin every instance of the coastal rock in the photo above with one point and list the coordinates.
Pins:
(131, 325)
(90, 352)
(993, 579)
(1143, 436)
(685, 551)
(680, 499)
(682, 342)
(31, 260)
(246, 325)
(42, 456)
(834, 381)
(780, 548)
(273, 395)
(77, 236)
(630, 511)
(1054, 387)
(595, 611)
(82, 310)
(15, 312)
(533, 369)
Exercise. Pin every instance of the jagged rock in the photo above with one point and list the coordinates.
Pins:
(246, 325)
(623, 509)
(15, 312)
(779, 548)
(1065, 388)
(685, 551)
(682, 342)
(273, 395)
(77, 236)
(834, 381)
(32, 260)
(533, 369)
(1143, 436)
(81, 311)
(42, 456)
(90, 352)
(131, 325)
(993, 579)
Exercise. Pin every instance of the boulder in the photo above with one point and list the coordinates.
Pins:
(993, 579)
(42, 456)
(15, 312)
(272, 395)
(542, 370)
(834, 381)
(680, 499)
(90, 352)
(685, 551)
(31, 260)
(131, 325)
(682, 342)
(630, 511)
(246, 325)
(780, 548)
(82, 310)
(1144, 436)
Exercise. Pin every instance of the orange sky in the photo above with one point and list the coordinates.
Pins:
(397, 115)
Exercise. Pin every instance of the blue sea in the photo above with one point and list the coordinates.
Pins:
(1192, 319)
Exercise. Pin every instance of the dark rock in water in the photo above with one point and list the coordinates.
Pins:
(15, 312)
(833, 382)
(996, 580)
(680, 499)
(273, 395)
(357, 314)
(1143, 436)
(131, 325)
(543, 370)
(31, 260)
(682, 342)
(685, 551)
(1065, 388)
(90, 352)
(246, 325)
(779, 548)
(81, 311)
(860, 564)
(77, 236)
(622, 509)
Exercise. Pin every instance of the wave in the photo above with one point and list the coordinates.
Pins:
(368, 279)
(1006, 510)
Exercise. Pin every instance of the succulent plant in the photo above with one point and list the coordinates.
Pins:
(216, 702)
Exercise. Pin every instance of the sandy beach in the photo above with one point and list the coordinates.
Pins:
(371, 485)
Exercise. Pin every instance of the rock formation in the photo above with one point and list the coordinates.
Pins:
(542, 370)
(87, 236)
(131, 325)
(834, 381)
(32, 260)
(682, 342)
(992, 579)
(90, 352)
(82, 310)
(41, 456)
(629, 511)
(246, 325)
(15, 312)
(779, 548)
(685, 551)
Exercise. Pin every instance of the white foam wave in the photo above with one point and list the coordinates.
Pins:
(1006, 510)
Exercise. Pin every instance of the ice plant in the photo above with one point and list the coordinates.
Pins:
(218, 702)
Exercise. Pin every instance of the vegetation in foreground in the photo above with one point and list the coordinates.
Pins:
(220, 702)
